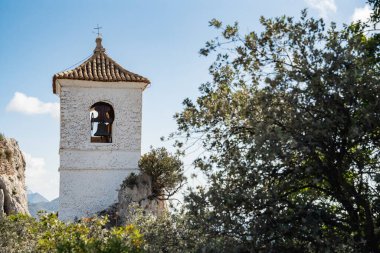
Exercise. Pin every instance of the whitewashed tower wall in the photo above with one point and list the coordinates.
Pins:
(91, 173)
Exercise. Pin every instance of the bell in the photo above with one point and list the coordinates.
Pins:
(104, 114)
(102, 130)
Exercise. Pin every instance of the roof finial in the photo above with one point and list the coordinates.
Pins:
(99, 47)
(98, 32)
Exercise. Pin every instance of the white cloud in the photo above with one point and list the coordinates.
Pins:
(32, 105)
(324, 7)
(362, 14)
(39, 179)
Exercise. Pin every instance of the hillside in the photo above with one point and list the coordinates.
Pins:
(47, 206)
(35, 197)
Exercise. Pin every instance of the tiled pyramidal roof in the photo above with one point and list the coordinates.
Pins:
(99, 67)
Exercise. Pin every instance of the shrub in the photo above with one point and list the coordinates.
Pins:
(15, 234)
(21, 233)
(130, 181)
(165, 170)
(176, 233)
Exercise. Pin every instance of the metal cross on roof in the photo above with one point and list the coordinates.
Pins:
(98, 28)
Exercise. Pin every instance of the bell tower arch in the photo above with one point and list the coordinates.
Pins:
(102, 117)
(100, 132)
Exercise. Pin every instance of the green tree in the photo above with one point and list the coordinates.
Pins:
(290, 125)
(165, 170)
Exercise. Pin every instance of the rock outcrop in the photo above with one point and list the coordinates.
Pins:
(139, 192)
(135, 190)
(12, 178)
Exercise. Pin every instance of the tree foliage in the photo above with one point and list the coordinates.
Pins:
(375, 4)
(21, 233)
(165, 170)
(167, 233)
(290, 125)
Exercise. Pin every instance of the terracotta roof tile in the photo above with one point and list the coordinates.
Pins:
(99, 67)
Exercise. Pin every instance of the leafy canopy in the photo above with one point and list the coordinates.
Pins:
(165, 170)
(291, 128)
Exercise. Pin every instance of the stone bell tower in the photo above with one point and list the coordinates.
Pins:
(100, 132)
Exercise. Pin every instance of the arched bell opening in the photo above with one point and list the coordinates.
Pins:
(102, 116)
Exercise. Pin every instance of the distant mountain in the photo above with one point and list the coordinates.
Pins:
(37, 202)
(49, 206)
(35, 197)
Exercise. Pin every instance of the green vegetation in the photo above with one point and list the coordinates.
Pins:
(290, 126)
(165, 170)
(21, 233)
(2, 137)
(144, 233)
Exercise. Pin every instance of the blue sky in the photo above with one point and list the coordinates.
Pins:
(158, 39)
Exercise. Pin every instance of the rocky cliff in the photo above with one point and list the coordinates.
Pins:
(12, 178)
